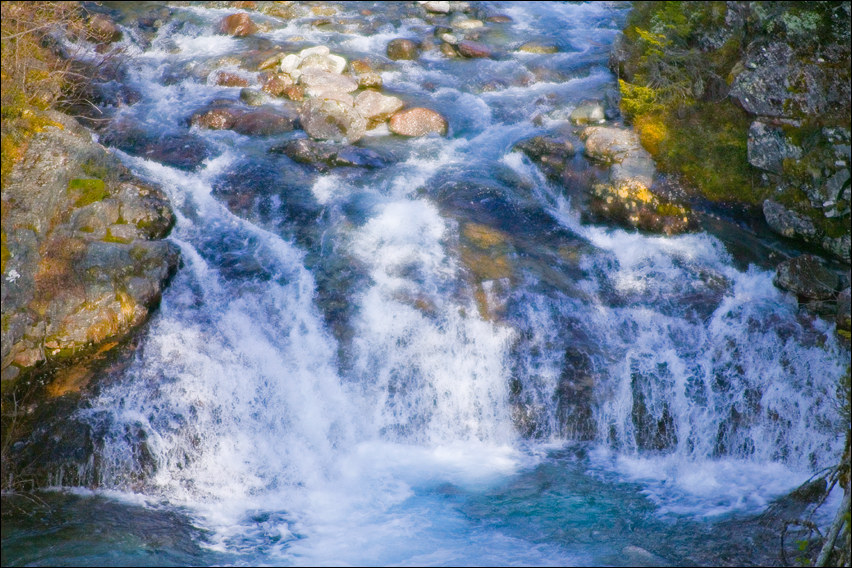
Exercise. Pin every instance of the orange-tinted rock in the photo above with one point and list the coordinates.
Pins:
(228, 79)
(417, 122)
(402, 49)
(237, 25)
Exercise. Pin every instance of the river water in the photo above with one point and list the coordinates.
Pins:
(435, 362)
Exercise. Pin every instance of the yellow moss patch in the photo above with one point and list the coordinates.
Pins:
(652, 132)
(483, 236)
(485, 266)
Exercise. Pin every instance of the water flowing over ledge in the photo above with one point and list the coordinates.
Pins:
(435, 361)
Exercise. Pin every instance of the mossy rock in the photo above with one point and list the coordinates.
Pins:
(88, 190)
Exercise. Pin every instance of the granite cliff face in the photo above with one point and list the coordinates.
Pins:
(757, 90)
(84, 262)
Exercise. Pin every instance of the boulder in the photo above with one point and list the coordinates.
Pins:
(417, 121)
(807, 278)
(768, 147)
(265, 122)
(324, 156)
(330, 119)
(376, 107)
(182, 151)
(776, 82)
(87, 263)
(237, 25)
(627, 198)
(402, 49)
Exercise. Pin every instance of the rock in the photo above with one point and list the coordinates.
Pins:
(327, 62)
(328, 119)
(467, 24)
(221, 118)
(237, 25)
(538, 48)
(376, 107)
(86, 264)
(229, 79)
(793, 224)
(609, 144)
(402, 49)
(183, 151)
(417, 121)
(552, 153)
(295, 93)
(590, 112)
(275, 84)
(499, 19)
(103, 29)
(253, 97)
(323, 84)
(777, 83)
(437, 7)
(806, 277)
(627, 198)
(844, 316)
(265, 122)
(789, 223)
(768, 147)
(323, 156)
(473, 49)
(448, 50)
(370, 80)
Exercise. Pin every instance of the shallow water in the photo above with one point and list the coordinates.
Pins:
(434, 362)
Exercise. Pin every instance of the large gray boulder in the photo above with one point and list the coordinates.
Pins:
(807, 278)
(84, 260)
(768, 147)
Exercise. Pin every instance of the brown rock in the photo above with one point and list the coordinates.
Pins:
(473, 49)
(237, 25)
(295, 93)
(417, 122)
(402, 49)
(276, 85)
(229, 79)
(264, 122)
(217, 118)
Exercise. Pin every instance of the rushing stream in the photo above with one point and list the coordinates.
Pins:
(435, 362)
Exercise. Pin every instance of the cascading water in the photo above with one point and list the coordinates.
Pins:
(435, 362)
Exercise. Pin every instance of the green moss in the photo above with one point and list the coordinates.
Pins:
(89, 190)
(110, 238)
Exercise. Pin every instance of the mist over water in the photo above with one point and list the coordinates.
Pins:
(330, 378)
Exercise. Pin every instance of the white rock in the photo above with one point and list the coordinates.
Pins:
(317, 50)
(437, 7)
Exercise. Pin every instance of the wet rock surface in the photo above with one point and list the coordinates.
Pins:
(87, 262)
